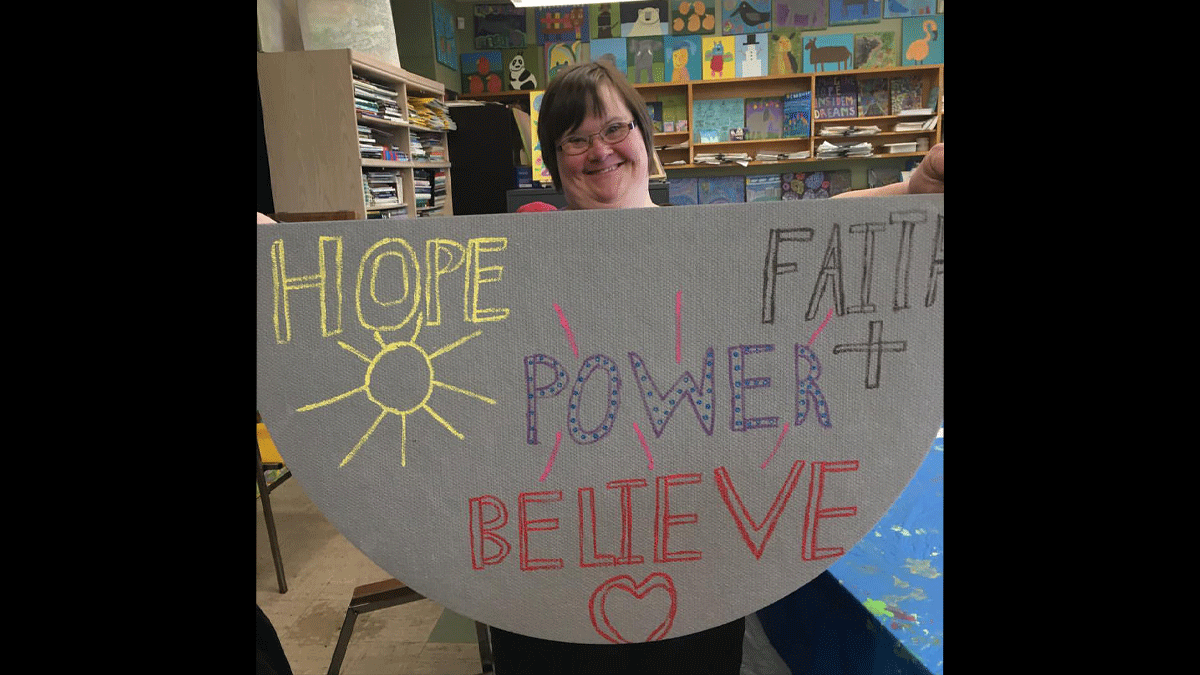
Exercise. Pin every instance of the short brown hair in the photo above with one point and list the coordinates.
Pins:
(572, 96)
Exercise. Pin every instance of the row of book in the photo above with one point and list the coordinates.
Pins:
(757, 188)
(849, 96)
(754, 118)
(381, 189)
(429, 191)
(378, 144)
(372, 99)
(427, 146)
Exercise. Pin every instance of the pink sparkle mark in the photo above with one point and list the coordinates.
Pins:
(645, 447)
(777, 443)
(557, 440)
(566, 327)
(814, 335)
(678, 326)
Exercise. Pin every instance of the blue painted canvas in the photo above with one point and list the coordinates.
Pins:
(751, 54)
(923, 42)
(896, 570)
(901, 9)
(846, 12)
(683, 58)
(611, 50)
(824, 53)
(682, 191)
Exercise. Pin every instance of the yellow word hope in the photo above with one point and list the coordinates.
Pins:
(389, 286)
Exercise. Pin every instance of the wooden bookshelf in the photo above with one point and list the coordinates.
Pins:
(779, 85)
(311, 127)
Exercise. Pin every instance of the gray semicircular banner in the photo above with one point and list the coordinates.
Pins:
(606, 426)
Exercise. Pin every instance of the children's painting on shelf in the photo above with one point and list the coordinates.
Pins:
(785, 52)
(611, 50)
(559, 55)
(603, 22)
(751, 60)
(523, 69)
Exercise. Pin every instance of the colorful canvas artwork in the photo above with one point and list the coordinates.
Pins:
(559, 55)
(682, 191)
(751, 55)
(693, 18)
(482, 72)
(901, 9)
(645, 18)
(763, 188)
(713, 119)
(828, 52)
(719, 53)
(764, 118)
(785, 53)
(445, 45)
(604, 21)
(721, 189)
(682, 58)
(844, 12)
(745, 16)
(800, 15)
(523, 69)
(644, 59)
(876, 50)
(561, 24)
(499, 26)
(923, 40)
(611, 50)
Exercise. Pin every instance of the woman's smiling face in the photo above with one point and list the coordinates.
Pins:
(605, 176)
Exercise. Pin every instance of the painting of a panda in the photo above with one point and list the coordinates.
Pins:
(518, 76)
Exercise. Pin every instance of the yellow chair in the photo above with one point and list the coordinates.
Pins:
(268, 459)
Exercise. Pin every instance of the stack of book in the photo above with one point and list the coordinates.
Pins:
(427, 146)
(773, 155)
(927, 125)
(375, 100)
(381, 189)
(430, 113)
(387, 214)
(429, 186)
(828, 150)
(722, 158)
(849, 131)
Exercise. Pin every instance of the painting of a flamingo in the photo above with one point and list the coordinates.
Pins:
(923, 40)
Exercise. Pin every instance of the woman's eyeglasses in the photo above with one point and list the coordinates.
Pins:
(611, 134)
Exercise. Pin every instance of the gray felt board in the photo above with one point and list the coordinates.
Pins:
(606, 426)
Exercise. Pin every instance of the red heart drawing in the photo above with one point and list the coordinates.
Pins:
(637, 590)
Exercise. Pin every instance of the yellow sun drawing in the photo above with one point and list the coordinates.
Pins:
(400, 380)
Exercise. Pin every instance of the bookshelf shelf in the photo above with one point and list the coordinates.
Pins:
(930, 78)
(315, 133)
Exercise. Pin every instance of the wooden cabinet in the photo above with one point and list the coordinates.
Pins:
(314, 128)
(675, 158)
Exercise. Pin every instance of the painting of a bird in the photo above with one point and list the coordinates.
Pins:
(750, 16)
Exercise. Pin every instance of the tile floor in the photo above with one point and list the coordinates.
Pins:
(322, 569)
